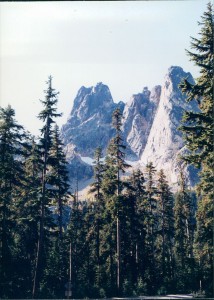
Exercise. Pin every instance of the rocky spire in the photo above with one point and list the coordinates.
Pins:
(165, 142)
(138, 117)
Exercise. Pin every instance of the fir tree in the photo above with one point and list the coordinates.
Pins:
(11, 183)
(27, 209)
(165, 229)
(117, 155)
(198, 136)
(113, 185)
(138, 218)
(184, 232)
(58, 178)
(47, 115)
(151, 231)
(99, 205)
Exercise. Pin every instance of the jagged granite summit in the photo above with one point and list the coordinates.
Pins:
(89, 123)
(149, 127)
(88, 127)
(138, 117)
(165, 144)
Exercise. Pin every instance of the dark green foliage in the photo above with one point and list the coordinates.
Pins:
(184, 211)
(134, 237)
(136, 212)
(47, 115)
(12, 153)
(58, 178)
(156, 248)
(198, 135)
(165, 231)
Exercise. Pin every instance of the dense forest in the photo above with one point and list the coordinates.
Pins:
(135, 237)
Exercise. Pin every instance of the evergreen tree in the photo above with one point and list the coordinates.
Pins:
(151, 231)
(77, 248)
(117, 155)
(27, 210)
(99, 205)
(138, 219)
(198, 136)
(47, 115)
(11, 183)
(98, 174)
(112, 187)
(165, 230)
(58, 178)
(184, 232)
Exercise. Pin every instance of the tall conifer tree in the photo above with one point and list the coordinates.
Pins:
(165, 229)
(99, 204)
(184, 233)
(11, 183)
(115, 166)
(198, 136)
(151, 193)
(47, 115)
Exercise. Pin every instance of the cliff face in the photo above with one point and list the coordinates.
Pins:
(88, 127)
(89, 123)
(149, 127)
(165, 145)
(138, 117)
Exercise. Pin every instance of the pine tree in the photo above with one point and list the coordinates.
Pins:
(151, 231)
(138, 214)
(113, 185)
(184, 233)
(165, 230)
(47, 115)
(77, 248)
(117, 155)
(58, 178)
(198, 136)
(11, 182)
(99, 205)
(27, 210)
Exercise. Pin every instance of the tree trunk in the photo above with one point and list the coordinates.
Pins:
(118, 256)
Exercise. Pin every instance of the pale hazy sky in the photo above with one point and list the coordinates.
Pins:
(124, 44)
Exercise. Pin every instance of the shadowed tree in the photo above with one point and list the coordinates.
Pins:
(47, 115)
(198, 136)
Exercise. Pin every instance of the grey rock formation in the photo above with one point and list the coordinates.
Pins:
(88, 127)
(89, 124)
(138, 117)
(150, 127)
(165, 144)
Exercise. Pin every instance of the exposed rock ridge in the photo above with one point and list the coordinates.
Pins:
(165, 143)
(149, 127)
(138, 117)
(89, 123)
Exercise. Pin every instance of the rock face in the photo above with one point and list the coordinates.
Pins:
(88, 127)
(138, 117)
(165, 144)
(89, 124)
(149, 127)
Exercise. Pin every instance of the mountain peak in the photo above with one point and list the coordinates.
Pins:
(149, 125)
(146, 92)
(175, 75)
(138, 116)
(89, 123)
(165, 140)
(101, 88)
(175, 69)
